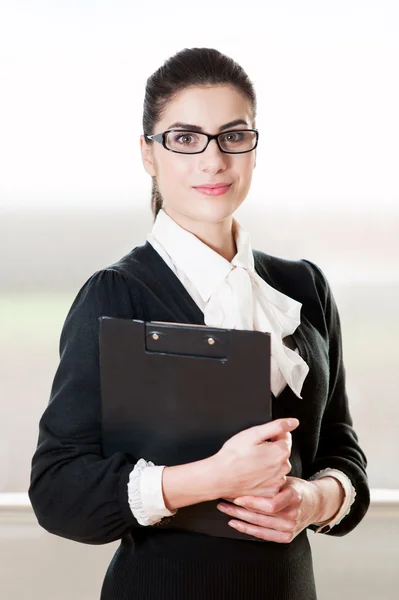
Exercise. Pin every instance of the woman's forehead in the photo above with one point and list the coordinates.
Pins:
(208, 107)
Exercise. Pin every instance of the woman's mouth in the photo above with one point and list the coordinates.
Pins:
(216, 189)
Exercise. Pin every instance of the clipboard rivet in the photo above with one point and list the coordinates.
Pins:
(211, 341)
(155, 336)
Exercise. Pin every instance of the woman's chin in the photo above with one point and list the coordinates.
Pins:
(215, 208)
(204, 208)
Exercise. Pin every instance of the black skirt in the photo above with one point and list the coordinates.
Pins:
(151, 564)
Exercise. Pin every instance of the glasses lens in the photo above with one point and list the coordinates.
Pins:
(186, 141)
(238, 141)
(190, 142)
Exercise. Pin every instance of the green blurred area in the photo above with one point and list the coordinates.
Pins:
(33, 316)
(369, 336)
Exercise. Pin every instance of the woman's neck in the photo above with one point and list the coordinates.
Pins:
(219, 236)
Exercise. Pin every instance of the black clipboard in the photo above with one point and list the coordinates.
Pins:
(173, 393)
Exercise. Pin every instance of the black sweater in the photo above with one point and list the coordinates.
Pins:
(78, 494)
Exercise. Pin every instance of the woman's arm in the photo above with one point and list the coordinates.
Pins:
(191, 483)
(331, 496)
(338, 442)
(348, 494)
(75, 492)
(154, 493)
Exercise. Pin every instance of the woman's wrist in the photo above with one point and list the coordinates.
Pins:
(330, 496)
(190, 483)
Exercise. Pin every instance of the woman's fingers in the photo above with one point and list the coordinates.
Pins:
(273, 429)
(266, 493)
(275, 519)
(288, 497)
(270, 492)
(284, 440)
(271, 535)
(291, 512)
(260, 519)
(278, 519)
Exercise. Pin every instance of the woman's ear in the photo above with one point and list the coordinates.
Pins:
(147, 156)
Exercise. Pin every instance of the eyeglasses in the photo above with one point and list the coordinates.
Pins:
(236, 141)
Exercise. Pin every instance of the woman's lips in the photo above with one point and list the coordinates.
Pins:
(213, 190)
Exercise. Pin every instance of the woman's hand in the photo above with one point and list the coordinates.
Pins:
(299, 504)
(255, 461)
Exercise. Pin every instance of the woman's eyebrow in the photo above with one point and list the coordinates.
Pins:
(200, 129)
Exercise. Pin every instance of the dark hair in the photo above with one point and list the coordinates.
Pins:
(187, 68)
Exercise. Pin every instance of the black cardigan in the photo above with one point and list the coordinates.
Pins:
(78, 494)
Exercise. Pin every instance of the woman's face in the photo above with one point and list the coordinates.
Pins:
(177, 174)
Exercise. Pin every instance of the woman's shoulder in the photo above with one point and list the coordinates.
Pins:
(140, 263)
(300, 278)
(113, 289)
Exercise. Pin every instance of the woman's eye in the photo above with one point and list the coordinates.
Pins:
(233, 136)
(182, 139)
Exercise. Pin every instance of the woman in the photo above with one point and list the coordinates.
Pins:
(197, 266)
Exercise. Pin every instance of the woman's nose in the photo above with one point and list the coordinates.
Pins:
(212, 157)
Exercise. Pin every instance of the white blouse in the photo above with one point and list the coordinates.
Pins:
(233, 296)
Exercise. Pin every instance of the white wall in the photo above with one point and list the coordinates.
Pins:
(73, 76)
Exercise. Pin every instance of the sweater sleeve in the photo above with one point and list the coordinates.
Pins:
(75, 492)
(338, 446)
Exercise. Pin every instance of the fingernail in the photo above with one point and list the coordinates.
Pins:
(231, 523)
(239, 502)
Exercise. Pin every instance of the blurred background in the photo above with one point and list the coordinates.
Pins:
(74, 197)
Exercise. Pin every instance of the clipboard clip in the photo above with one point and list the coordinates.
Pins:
(186, 339)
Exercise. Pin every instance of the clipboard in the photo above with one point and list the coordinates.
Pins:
(173, 393)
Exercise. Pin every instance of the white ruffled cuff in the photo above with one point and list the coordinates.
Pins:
(350, 494)
(145, 493)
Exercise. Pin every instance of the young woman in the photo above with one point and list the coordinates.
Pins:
(304, 470)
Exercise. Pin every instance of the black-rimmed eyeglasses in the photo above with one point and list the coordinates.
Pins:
(236, 141)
